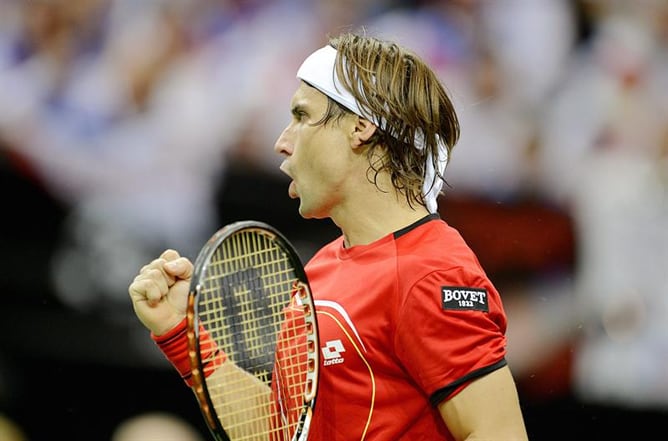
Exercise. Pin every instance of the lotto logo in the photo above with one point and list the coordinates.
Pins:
(332, 352)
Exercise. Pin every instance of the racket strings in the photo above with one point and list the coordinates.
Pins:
(247, 305)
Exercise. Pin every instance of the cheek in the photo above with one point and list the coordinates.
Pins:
(322, 158)
(313, 177)
(324, 162)
(314, 171)
(308, 151)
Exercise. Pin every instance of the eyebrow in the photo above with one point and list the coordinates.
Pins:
(297, 109)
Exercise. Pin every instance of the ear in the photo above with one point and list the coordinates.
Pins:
(363, 131)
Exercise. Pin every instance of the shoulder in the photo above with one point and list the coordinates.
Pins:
(435, 245)
(435, 258)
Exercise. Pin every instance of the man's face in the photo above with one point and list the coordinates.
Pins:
(317, 157)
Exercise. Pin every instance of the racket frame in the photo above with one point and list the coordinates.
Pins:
(302, 289)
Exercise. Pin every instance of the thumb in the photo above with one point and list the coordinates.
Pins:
(180, 268)
(170, 254)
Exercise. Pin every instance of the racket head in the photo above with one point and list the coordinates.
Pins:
(249, 293)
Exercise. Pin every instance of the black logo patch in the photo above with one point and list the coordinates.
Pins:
(464, 298)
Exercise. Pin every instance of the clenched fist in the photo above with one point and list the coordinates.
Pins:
(159, 292)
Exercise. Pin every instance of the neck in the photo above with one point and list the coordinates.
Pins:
(375, 218)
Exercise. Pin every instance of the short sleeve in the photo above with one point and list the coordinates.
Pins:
(444, 333)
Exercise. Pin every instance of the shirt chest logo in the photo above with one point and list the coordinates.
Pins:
(332, 351)
(464, 298)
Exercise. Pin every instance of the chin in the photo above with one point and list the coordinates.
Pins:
(303, 211)
(309, 212)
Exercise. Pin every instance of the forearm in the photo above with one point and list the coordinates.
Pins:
(241, 401)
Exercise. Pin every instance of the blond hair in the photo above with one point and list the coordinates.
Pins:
(397, 87)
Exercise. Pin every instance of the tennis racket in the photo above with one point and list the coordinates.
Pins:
(250, 298)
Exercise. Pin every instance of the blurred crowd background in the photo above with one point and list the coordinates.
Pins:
(129, 126)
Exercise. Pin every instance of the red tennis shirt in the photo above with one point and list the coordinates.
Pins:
(405, 322)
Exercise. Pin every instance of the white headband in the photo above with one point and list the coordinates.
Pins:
(319, 70)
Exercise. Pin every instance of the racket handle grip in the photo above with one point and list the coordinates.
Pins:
(174, 346)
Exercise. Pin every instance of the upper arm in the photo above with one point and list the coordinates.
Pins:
(487, 409)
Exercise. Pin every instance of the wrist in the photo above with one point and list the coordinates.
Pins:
(170, 333)
(174, 346)
(161, 331)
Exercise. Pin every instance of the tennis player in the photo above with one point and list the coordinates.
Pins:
(412, 330)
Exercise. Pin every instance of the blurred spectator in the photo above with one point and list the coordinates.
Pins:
(510, 82)
(604, 157)
(621, 209)
(155, 426)
(613, 96)
(10, 430)
(128, 126)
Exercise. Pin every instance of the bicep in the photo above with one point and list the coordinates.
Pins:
(487, 409)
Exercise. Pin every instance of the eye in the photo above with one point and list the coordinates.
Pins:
(298, 113)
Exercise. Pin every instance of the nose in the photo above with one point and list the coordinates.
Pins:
(283, 145)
